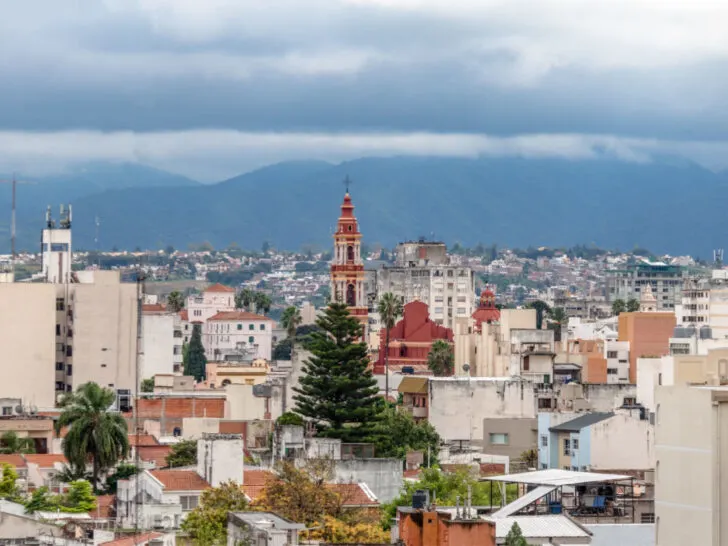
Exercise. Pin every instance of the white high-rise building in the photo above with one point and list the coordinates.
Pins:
(422, 272)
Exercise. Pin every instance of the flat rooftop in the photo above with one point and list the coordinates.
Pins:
(556, 478)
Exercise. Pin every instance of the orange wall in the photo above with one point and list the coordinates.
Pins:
(435, 529)
(596, 369)
(648, 335)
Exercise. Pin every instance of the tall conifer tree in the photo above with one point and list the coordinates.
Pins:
(337, 389)
(196, 359)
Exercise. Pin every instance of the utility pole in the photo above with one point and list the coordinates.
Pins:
(14, 182)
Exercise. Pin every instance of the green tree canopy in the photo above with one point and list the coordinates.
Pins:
(283, 350)
(183, 453)
(207, 523)
(618, 307)
(441, 359)
(8, 488)
(337, 389)
(147, 385)
(175, 301)
(291, 320)
(397, 432)
(515, 536)
(290, 418)
(262, 303)
(10, 442)
(542, 309)
(94, 432)
(632, 305)
(196, 359)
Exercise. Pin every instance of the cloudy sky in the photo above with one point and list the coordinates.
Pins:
(211, 88)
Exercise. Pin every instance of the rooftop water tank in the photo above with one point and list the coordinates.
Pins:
(706, 332)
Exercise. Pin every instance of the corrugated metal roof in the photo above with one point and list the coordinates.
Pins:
(575, 425)
(523, 501)
(541, 527)
(557, 477)
(634, 534)
(413, 385)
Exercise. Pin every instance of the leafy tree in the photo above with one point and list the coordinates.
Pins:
(41, 500)
(70, 474)
(530, 458)
(262, 303)
(291, 320)
(441, 359)
(283, 349)
(557, 319)
(12, 443)
(390, 308)
(618, 307)
(183, 453)
(397, 432)
(147, 385)
(303, 333)
(290, 418)
(515, 536)
(632, 305)
(94, 432)
(175, 301)
(8, 488)
(341, 531)
(122, 472)
(244, 299)
(207, 523)
(542, 309)
(299, 493)
(337, 389)
(79, 498)
(196, 359)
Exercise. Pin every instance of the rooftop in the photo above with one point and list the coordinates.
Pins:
(180, 480)
(553, 526)
(219, 288)
(583, 421)
(238, 315)
(255, 519)
(133, 540)
(413, 385)
(557, 477)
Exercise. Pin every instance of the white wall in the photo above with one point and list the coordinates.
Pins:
(194, 427)
(158, 343)
(651, 372)
(220, 458)
(457, 406)
(623, 442)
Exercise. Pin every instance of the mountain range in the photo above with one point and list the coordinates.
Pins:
(667, 205)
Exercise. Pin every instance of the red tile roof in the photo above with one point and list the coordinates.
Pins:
(131, 540)
(145, 440)
(13, 459)
(155, 454)
(238, 315)
(253, 492)
(412, 474)
(47, 460)
(219, 288)
(180, 480)
(353, 494)
(257, 477)
(104, 507)
(154, 308)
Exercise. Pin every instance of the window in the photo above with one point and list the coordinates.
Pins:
(611, 354)
(60, 347)
(629, 401)
(188, 502)
(59, 366)
(567, 447)
(70, 369)
(611, 371)
(58, 329)
(7, 410)
(498, 439)
(60, 306)
(240, 326)
(575, 444)
(262, 327)
(251, 326)
(544, 441)
(69, 351)
(647, 517)
(251, 339)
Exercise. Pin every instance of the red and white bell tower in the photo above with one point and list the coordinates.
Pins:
(347, 267)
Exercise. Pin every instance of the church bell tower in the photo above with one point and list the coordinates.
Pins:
(347, 267)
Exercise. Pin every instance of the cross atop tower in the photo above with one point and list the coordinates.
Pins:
(347, 183)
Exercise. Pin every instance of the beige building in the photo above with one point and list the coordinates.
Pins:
(691, 481)
(222, 374)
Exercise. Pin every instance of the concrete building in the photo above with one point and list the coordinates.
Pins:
(234, 331)
(648, 334)
(224, 373)
(509, 436)
(261, 529)
(411, 339)
(56, 251)
(422, 271)
(665, 282)
(619, 440)
(691, 427)
(705, 302)
(213, 300)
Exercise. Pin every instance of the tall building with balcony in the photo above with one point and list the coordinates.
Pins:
(422, 272)
(666, 282)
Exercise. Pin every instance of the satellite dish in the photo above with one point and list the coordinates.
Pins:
(19, 409)
(466, 367)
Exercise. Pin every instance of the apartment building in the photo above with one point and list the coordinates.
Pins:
(161, 351)
(705, 303)
(665, 280)
(235, 331)
(422, 271)
(215, 299)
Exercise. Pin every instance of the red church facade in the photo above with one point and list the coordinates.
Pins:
(410, 339)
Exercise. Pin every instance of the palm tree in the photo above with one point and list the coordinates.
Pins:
(618, 307)
(632, 305)
(94, 432)
(558, 318)
(175, 301)
(542, 309)
(441, 359)
(12, 443)
(291, 320)
(244, 299)
(390, 308)
(262, 302)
